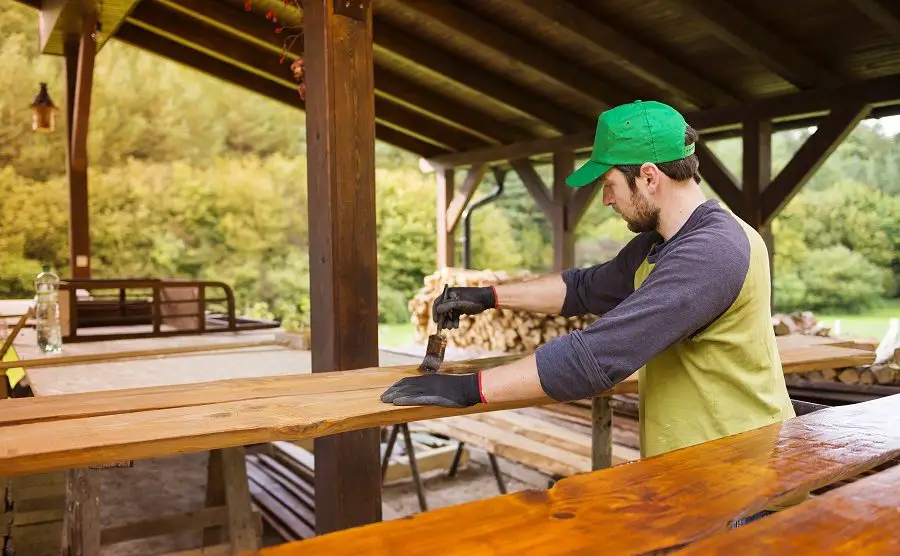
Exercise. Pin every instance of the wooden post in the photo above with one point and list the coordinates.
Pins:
(601, 433)
(79, 54)
(446, 252)
(340, 131)
(563, 227)
(757, 174)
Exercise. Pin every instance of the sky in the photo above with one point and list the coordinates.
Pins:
(891, 124)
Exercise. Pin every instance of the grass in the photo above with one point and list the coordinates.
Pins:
(396, 335)
(871, 324)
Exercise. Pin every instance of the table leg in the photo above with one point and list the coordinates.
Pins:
(242, 532)
(82, 521)
(601, 433)
(215, 497)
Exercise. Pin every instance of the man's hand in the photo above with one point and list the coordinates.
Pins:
(462, 301)
(442, 390)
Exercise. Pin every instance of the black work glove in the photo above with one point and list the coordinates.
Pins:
(442, 390)
(462, 301)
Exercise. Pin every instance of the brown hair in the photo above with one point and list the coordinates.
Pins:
(678, 170)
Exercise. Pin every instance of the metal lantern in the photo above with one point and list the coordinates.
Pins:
(43, 112)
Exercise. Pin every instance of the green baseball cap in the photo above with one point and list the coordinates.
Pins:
(634, 133)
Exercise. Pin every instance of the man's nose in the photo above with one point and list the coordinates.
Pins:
(607, 197)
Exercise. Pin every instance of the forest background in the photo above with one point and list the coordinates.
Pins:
(193, 177)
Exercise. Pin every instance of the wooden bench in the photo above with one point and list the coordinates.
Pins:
(657, 504)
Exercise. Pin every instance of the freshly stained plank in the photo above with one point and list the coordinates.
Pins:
(860, 519)
(656, 504)
(90, 403)
(54, 445)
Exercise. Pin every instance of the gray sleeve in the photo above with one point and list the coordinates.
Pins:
(597, 289)
(690, 286)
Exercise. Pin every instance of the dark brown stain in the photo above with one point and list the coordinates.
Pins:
(535, 496)
(563, 515)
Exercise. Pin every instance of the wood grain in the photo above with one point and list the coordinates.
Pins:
(656, 504)
(858, 519)
(59, 432)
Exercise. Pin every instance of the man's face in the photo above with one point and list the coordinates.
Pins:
(633, 205)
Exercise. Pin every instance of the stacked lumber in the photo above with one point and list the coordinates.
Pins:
(801, 322)
(282, 486)
(502, 330)
(887, 374)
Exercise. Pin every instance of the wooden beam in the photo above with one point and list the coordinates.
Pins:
(756, 167)
(215, 42)
(80, 52)
(596, 36)
(461, 199)
(388, 84)
(394, 41)
(811, 155)
(720, 179)
(446, 249)
(149, 422)
(340, 131)
(800, 109)
(535, 185)
(580, 201)
(885, 13)
(563, 229)
(139, 37)
(596, 92)
(756, 41)
(672, 500)
(60, 19)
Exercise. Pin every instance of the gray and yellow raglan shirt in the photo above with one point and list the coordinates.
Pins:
(692, 316)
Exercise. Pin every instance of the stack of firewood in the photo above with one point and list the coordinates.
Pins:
(500, 330)
(799, 323)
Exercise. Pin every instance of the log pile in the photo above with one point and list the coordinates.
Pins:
(803, 322)
(500, 330)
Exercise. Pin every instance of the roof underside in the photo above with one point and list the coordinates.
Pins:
(457, 75)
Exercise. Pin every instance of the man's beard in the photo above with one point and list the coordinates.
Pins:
(646, 216)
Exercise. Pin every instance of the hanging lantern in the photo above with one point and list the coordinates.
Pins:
(43, 112)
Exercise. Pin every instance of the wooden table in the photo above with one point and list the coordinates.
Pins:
(227, 518)
(676, 499)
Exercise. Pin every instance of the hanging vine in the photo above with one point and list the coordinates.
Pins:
(292, 33)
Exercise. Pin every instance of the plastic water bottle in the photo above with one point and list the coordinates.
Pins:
(46, 311)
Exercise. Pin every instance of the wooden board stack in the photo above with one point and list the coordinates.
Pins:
(498, 331)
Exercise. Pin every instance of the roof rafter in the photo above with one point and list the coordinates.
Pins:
(392, 40)
(883, 12)
(215, 42)
(139, 37)
(756, 41)
(597, 92)
(388, 84)
(596, 36)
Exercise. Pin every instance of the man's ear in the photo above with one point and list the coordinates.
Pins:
(651, 173)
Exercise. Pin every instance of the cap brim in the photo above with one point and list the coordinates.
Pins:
(589, 172)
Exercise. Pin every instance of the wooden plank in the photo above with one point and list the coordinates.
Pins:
(811, 155)
(858, 519)
(340, 132)
(800, 358)
(241, 527)
(540, 430)
(350, 403)
(654, 505)
(194, 519)
(82, 521)
(524, 450)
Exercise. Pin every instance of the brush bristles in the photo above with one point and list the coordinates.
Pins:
(434, 354)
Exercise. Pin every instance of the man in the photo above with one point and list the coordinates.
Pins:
(686, 302)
